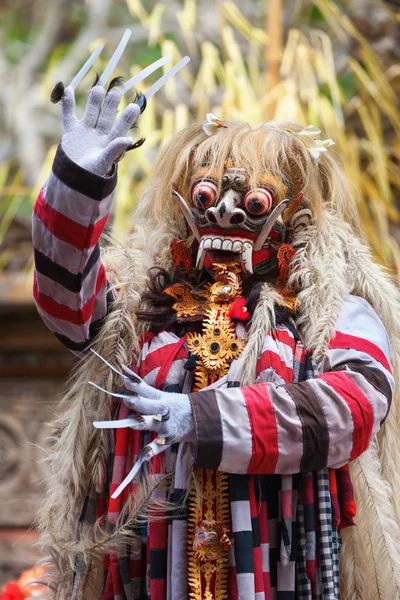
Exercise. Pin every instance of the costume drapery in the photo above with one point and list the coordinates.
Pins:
(284, 440)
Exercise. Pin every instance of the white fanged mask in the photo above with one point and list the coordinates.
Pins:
(235, 222)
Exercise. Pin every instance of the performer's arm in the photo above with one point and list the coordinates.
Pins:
(327, 421)
(70, 287)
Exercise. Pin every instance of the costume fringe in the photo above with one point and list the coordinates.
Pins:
(320, 275)
(263, 320)
(370, 559)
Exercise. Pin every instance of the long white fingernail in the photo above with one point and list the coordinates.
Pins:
(115, 58)
(82, 72)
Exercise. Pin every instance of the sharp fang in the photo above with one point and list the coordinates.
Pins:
(115, 58)
(188, 215)
(200, 255)
(247, 258)
(262, 236)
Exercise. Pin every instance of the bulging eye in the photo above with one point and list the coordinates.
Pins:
(204, 194)
(259, 201)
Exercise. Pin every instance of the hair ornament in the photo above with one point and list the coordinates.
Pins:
(213, 124)
(319, 146)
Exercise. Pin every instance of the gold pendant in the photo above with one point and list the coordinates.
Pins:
(208, 541)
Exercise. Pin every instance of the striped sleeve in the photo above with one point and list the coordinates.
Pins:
(323, 422)
(70, 287)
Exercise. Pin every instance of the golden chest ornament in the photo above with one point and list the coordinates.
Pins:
(218, 344)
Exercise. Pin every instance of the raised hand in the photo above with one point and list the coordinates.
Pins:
(97, 141)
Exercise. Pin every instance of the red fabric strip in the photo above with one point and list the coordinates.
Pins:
(165, 367)
(65, 229)
(360, 408)
(233, 592)
(264, 431)
(346, 499)
(158, 589)
(282, 335)
(157, 357)
(120, 457)
(343, 340)
(65, 313)
(334, 498)
(158, 532)
(258, 573)
(269, 358)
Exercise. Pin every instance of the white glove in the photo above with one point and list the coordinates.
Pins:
(97, 141)
(167, 413)
(174, 420)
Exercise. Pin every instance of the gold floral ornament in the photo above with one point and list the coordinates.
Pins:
(187, 305)
(218, 344)
(213, 124)
(318, 146)
(215, 348)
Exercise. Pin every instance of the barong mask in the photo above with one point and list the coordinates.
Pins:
(230, 219)
(233, 218)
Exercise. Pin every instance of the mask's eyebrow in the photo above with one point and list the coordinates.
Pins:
(277, 182)
(203, 173)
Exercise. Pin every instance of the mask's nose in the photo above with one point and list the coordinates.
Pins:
(226, 214)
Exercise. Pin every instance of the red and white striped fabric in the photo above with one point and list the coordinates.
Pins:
(70, 287)
(324, 422)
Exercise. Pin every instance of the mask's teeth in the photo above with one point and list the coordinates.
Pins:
(227, 245)
(237, 246)
(200, 255)
(247, 258)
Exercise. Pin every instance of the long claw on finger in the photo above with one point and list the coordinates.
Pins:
(144, 455)
(120, 424)
(115, 58)
(144, 73)
(82, 72)
(131, 374)
(109, 393)
(160, 82)
(106, 362)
